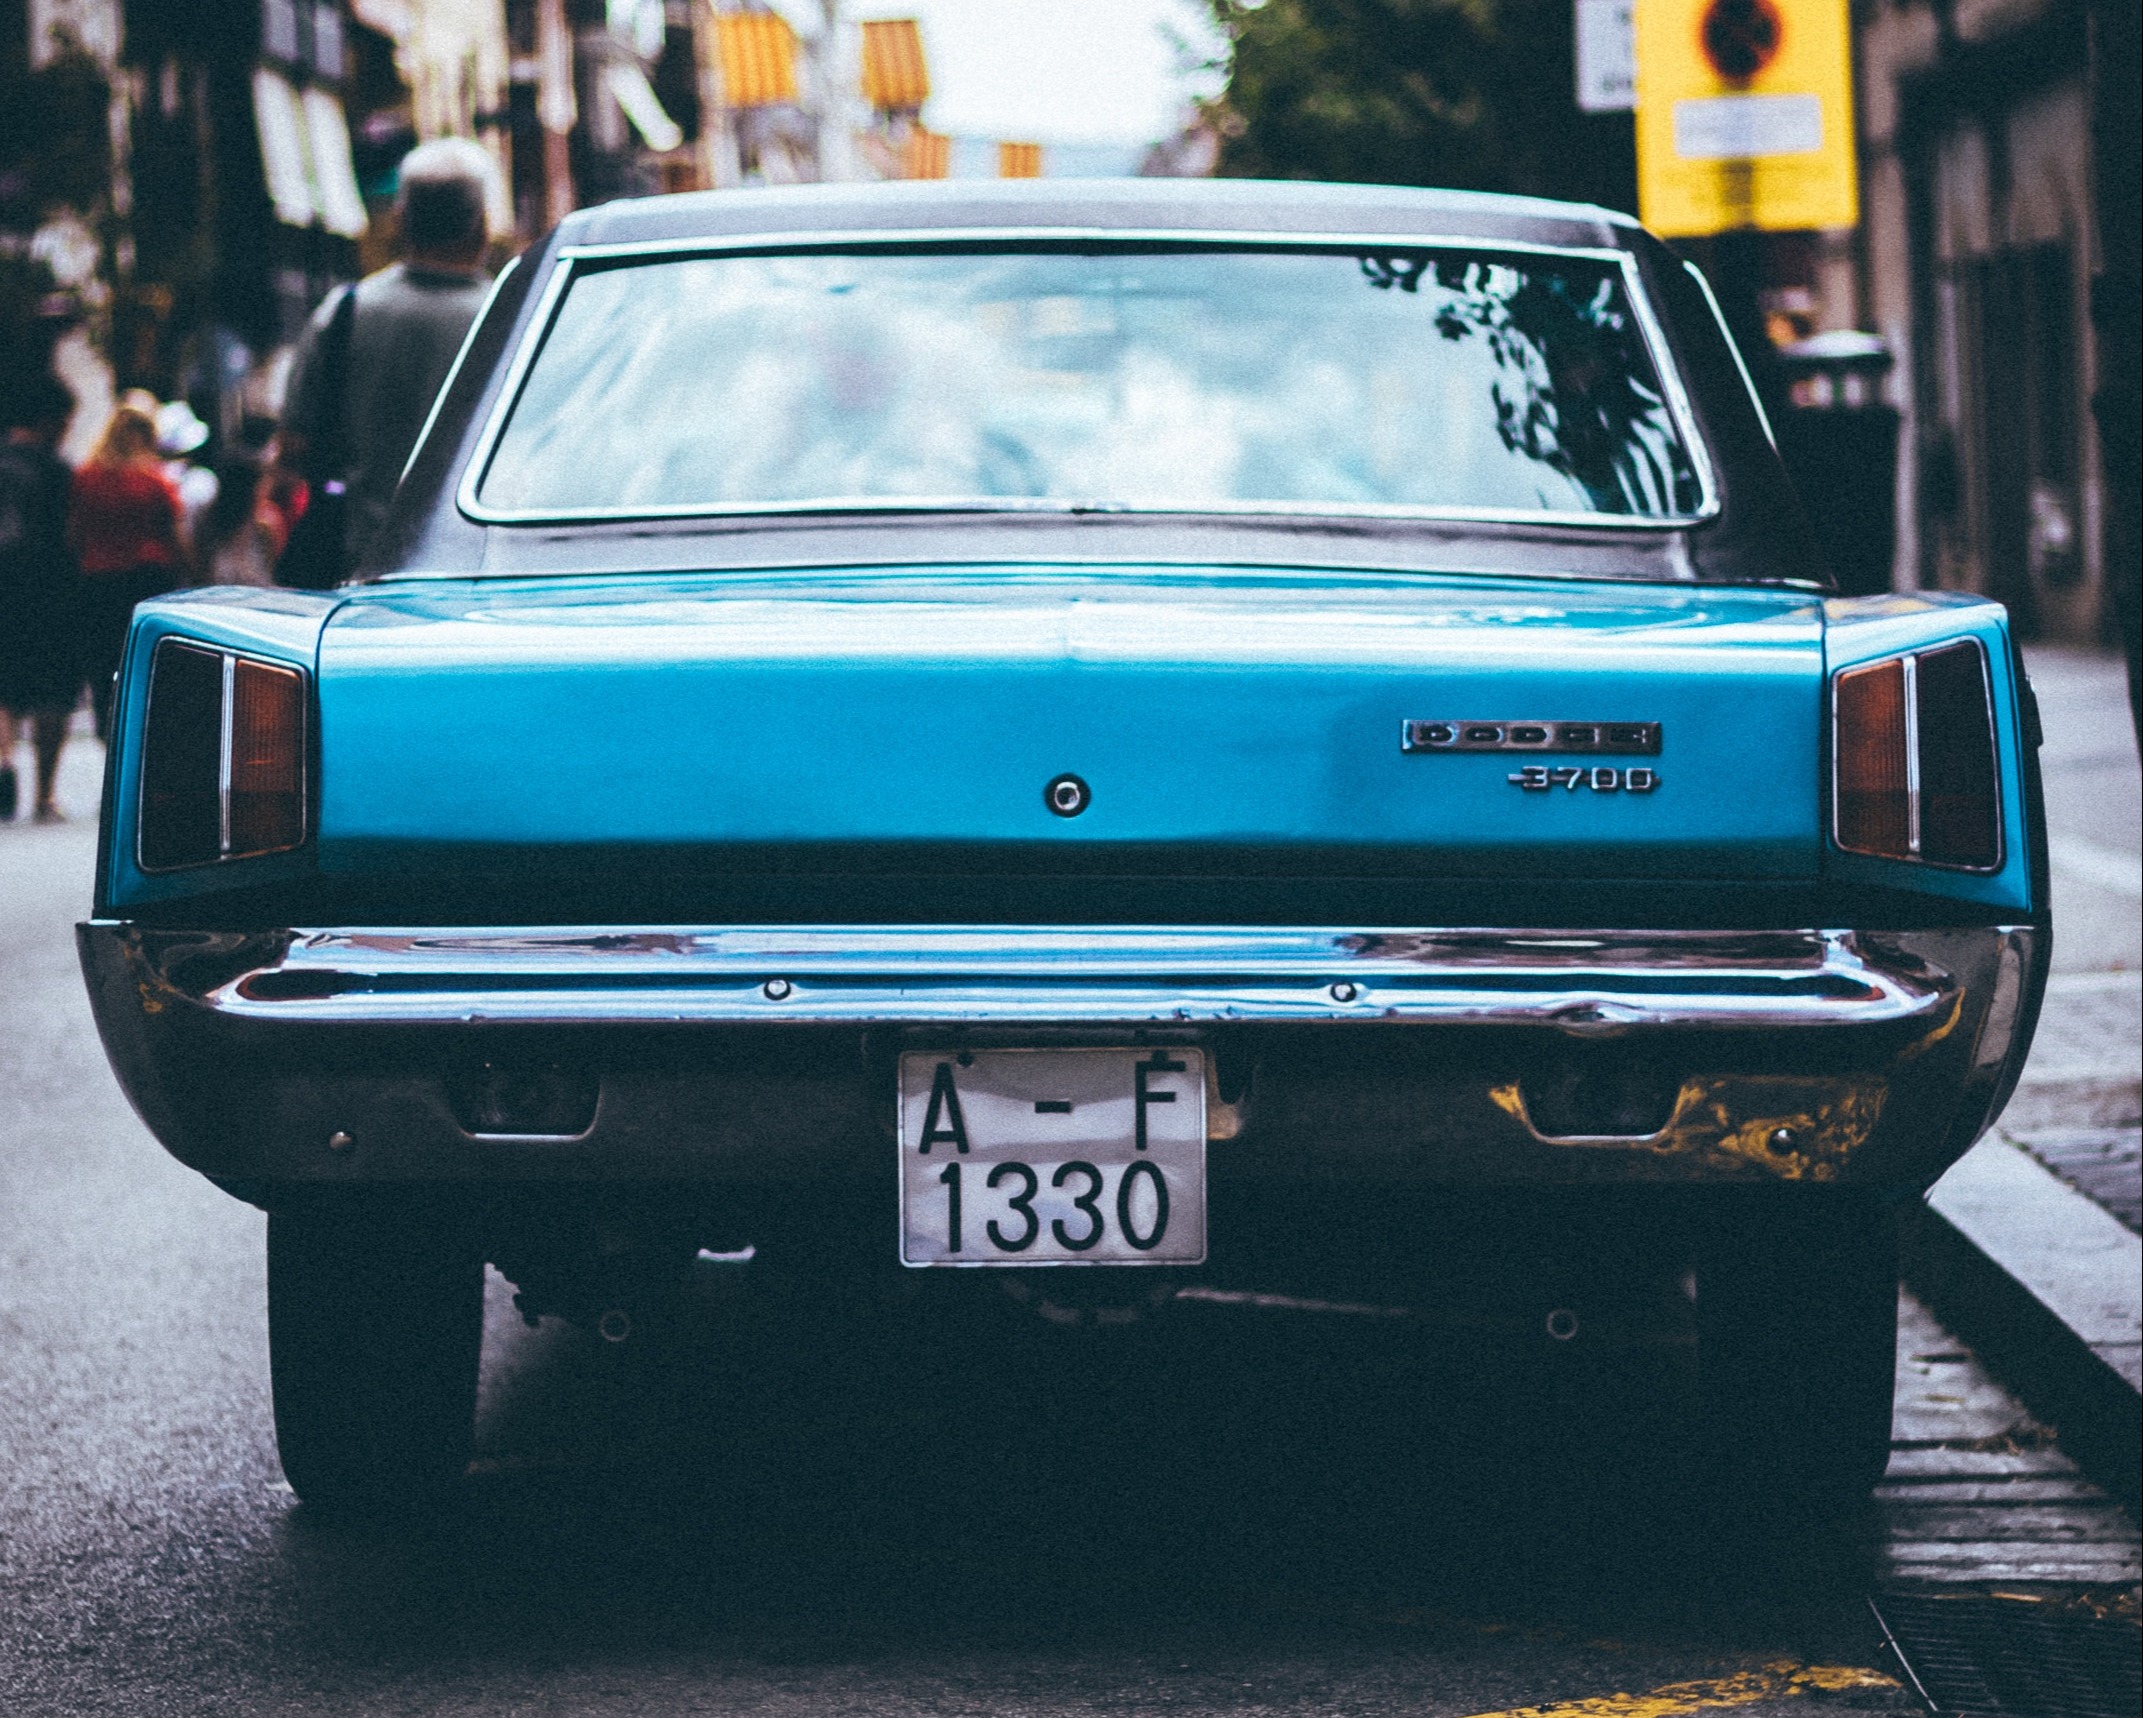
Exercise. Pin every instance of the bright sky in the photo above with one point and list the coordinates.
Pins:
(1055, 71)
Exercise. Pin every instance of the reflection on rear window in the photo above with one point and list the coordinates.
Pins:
(1191, 379)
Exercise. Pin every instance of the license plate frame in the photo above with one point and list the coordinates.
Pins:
(1034, 1158)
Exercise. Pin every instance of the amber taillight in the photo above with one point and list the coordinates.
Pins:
(1874, 762)
(1914, 772)
(223, 758)
(267, 749)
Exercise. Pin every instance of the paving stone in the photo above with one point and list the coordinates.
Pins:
(2086, 1065)
(1909, 1492)
(1976, 1491)
(2085, 1520)
(1912, 1462)
(2103, 1164)
(1981, 1563)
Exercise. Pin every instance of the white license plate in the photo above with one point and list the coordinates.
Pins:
(1052, 1157)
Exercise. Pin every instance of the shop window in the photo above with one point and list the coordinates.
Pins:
(330, 56)
(279, 32)
(2025, 501)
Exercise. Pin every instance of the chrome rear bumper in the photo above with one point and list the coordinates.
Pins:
(1380, 1051)
(869, 975)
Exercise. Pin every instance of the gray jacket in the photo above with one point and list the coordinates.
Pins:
(408, 325)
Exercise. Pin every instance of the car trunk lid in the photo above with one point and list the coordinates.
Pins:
(1220, 722)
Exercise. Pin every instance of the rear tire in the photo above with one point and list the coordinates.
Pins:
(1796, 1356)
(375, 1330)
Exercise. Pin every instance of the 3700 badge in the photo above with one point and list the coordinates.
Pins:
(1601, 778)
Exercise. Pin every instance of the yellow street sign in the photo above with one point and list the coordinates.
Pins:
(1745, 115)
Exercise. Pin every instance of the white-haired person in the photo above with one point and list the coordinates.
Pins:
(374, 355)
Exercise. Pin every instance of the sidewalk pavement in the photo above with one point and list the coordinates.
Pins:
(2030, 1246)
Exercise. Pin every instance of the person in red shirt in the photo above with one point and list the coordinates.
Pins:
(124, 527)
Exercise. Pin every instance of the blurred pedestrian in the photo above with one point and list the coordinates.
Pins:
(180, 436)
(40, 619)
(242, 533)
(374, 355)
(125, 527)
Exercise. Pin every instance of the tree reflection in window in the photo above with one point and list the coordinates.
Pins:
(1574, 389)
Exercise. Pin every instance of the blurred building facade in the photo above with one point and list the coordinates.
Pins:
(1997, 255)
(65, 188)
(182, 181)
(246, 165)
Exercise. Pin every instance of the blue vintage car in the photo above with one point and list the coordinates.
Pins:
(1145, 740)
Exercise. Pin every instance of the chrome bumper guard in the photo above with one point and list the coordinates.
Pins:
(1580, 982)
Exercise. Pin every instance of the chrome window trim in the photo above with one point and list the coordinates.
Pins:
(1912, 757)
(1222, 238)
(571, 259)
(1741, 363)
(453, 372)
(1090, 563)
(226, 718)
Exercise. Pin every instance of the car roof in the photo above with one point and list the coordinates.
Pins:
(1220, 206)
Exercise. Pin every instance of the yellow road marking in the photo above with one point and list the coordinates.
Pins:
(1781, 1680)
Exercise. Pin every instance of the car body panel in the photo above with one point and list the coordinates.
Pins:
(1203, 708)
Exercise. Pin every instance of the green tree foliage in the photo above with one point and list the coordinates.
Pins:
(1475, 94)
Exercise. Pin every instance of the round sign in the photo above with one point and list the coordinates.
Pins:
(1741, 37)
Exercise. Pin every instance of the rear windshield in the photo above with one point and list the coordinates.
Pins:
(1193, 380)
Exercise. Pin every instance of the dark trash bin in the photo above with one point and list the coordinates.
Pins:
(1839, 439)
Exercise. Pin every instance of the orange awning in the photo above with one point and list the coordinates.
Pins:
(757, 51)
(1019, 161)
(928, 155)
(895, 79)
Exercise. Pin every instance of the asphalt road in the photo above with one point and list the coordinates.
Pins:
(784, 1508)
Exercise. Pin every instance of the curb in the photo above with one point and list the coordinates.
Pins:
(2048, 1287)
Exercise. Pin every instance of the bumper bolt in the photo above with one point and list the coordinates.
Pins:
(1344, 992)
(1784, 1141)
(775, 990)
(340, 1141)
